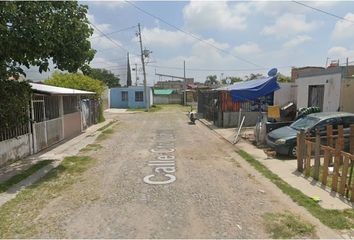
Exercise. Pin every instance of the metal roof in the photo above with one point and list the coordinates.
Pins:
(52, 90)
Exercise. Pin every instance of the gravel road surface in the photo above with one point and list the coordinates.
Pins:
(201, 191)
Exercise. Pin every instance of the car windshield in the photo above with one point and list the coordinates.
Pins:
(305, 123)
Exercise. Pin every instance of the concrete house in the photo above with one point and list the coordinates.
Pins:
(329, 89)
(129, 97)
(56, 114)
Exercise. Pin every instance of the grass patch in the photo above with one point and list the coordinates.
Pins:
(91, 147)
(22, 175)
(105, 134)
(155, 108)
(106, 126)
(18, 215)
(335, 219)
(287, 225)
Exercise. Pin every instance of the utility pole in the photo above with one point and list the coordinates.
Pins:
(144, 73)
(136, 74)
(185, 84)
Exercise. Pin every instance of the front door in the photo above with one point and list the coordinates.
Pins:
(316, 95)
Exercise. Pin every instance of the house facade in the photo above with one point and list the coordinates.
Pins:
(130, 97)
(55, 114)
(330, 89)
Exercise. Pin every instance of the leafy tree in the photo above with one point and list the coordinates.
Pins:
(32, 33)
(211, 80)
(105, 76)
(76, 81)
(253, 76)
(233, 80)
(283, 78)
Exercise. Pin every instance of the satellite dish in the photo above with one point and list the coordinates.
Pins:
(272, 72)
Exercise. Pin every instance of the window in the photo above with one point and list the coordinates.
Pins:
(139, 96)
(124, 96)
(347, 121)
(71, 104)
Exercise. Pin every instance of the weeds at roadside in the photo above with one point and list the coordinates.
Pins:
(287, 225)
(91, 147)
(4, 186)
(105, 134)
(335, 219)
(107, 125)
(18, 215)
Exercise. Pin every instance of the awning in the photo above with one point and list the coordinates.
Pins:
(163, 91)
(53, 90)
(253, 89)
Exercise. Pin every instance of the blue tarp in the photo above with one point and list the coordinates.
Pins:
(253, 89)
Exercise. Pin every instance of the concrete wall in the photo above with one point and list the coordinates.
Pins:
(72, 124)
(347, 96)
(116, 97)
(286, 94)
(168, 99)
(15, 148)
(332, 85)
(230, 119)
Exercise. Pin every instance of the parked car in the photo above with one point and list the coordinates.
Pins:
(283, 139)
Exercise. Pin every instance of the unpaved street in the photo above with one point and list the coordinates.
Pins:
(211, 195)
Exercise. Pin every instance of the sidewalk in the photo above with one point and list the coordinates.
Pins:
(57, 153)
(285, 169)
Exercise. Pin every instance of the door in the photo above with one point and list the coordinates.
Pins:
(316, 95)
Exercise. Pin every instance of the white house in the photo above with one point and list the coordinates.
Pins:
(330, 89)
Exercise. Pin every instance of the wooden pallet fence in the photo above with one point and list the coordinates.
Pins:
(328, 157)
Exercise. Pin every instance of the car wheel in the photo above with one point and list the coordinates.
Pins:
(293, 151)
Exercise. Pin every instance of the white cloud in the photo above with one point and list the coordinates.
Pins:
(199, 15)
(247, 48)
(107, 4)
(99, 42)
(290, 24)
(340, 52)
(158, 37)
(297, 40)
(344, 29)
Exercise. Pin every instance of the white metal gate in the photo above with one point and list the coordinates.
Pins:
(47, 127)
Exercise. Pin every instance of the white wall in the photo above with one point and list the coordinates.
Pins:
(14, 148)
(332, 83)
(286, 94)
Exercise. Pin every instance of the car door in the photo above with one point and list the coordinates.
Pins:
(322, 126)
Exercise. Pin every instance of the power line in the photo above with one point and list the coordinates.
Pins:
(322, 11)
(110, 39)
(190, 34)
(117, 31)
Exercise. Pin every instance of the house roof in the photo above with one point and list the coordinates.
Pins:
(52, 90)
(163, 91)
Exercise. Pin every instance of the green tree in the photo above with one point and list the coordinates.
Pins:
(76, 81)
(105, 76)
(232, 80)
(211, 80)
(253, 76)
(32, 33)
(283, 78)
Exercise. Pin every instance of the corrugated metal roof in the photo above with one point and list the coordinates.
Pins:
(58, 90)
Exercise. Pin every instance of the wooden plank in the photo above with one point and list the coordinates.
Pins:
(308, 158)
(330, 135)
(336, 167)
(325, 166)
(300, 150)
(343, 178)
(351, 139)
(316, 173)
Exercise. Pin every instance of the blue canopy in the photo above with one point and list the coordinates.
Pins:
(253, 89)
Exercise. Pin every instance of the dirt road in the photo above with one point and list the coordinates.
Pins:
(199, 192)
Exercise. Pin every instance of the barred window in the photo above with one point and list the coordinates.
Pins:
(124, 96)
(71, 104)
(139, 96)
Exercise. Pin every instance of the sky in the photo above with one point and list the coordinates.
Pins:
(223, 38)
